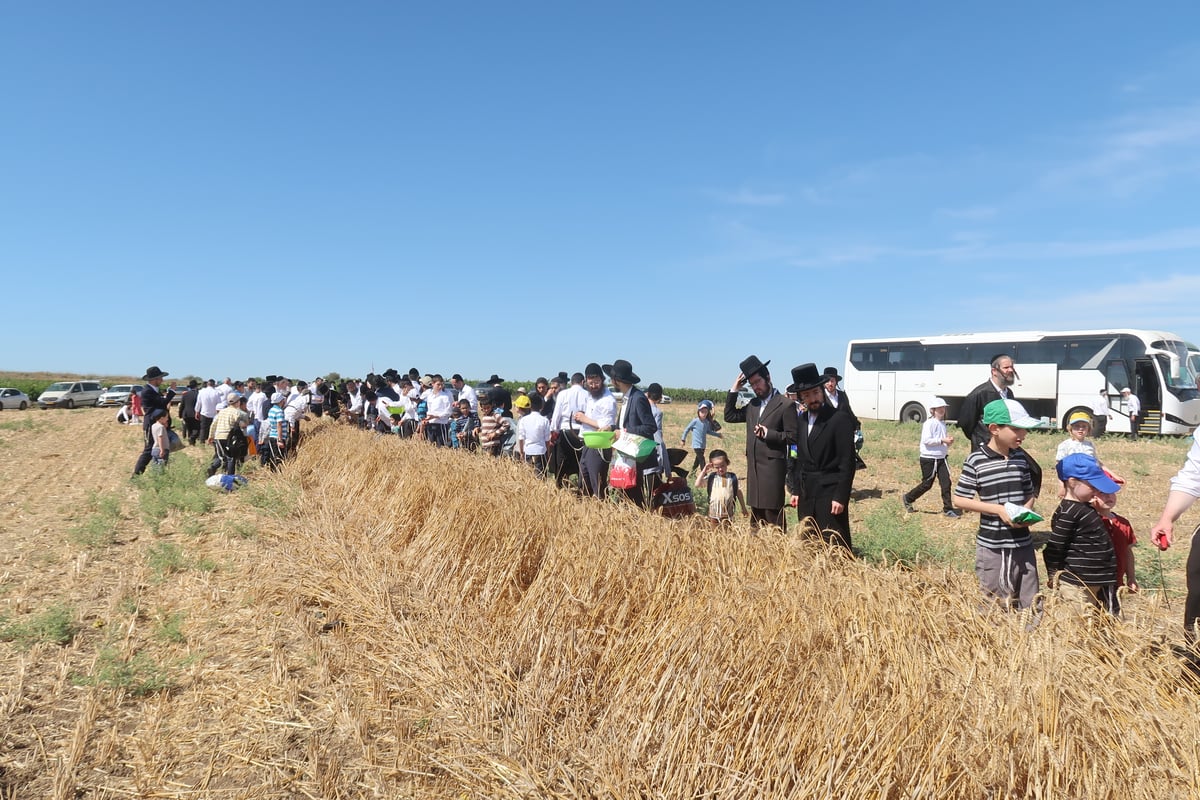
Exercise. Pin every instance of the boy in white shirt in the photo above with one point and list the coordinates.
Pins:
(935, 446)
(533, 432)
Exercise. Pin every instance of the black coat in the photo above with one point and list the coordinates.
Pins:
(766, 458)
(824, 463)
(152, 399)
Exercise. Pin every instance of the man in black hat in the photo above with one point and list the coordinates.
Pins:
(152, 398)
(501, 397)
(770, 427)
(841, 403)
(822, 473)
(635, 417)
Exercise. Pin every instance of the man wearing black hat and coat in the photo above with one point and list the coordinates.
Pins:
(635, 417)
(187, 412)
(770, 427)
(841, 404)
(822, 473)
(152, 399)
(501, 397)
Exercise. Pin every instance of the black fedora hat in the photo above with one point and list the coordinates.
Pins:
(806, 377)
(154, 372)
(831, 372)
(495, 379)
(621, 370)
(563, 378)
(751, 366)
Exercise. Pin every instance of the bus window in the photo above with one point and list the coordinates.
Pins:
(1117, 376)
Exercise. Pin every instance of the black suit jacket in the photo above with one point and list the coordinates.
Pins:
(766, 458)
(152, 399)
(824, 463)
(639, 419)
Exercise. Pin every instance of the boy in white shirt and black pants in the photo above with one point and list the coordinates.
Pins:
(935, 446)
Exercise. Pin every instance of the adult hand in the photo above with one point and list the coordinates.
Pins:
(760, 431)
(1163, 534)
(739, 383)
(836, 507)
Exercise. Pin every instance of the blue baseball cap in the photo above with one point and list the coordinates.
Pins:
(1083, 467)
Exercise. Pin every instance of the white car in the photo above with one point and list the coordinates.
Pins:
(14, 398)
(70, 394)
(119, 394)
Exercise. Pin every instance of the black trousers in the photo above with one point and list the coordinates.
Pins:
(191, 429)
(833, 528)
(205, 427)
(143, 460)
(1191, 606)
(931, 469)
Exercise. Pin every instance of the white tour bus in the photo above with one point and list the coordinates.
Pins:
(1058, 372)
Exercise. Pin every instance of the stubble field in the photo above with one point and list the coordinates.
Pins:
(384, 619)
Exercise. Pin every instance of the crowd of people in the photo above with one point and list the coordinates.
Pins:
(801, 451)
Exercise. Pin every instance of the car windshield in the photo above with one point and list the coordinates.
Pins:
(60, 386)
(123, 388)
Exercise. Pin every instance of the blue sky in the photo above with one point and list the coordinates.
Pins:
(244, 188)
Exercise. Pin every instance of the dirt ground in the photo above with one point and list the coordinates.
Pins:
(181, 608)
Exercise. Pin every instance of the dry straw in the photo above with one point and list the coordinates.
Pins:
(499, 638)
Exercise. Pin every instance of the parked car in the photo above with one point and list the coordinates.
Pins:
(69, 394)
(119, 394)
(14, 398)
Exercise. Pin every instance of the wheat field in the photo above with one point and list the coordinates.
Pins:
(388, 620)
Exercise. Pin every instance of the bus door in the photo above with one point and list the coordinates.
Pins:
(887, 396)
(1116, 378)
(1148, 391)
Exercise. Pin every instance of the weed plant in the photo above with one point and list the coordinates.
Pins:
(99, 528)
(170, 627)
(178, 488)
(138, 675)
(55, 625)
(166, 558)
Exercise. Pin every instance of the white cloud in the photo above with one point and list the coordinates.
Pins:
(1134, 152)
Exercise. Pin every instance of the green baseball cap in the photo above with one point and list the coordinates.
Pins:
(1009, 412)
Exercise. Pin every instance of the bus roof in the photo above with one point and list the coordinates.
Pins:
(1020, 336)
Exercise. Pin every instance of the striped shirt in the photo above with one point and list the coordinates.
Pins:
(1080, 549)
(997, 479)
(492, 430)
(277, 425)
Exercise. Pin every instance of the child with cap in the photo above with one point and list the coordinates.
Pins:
(934, 447)
(701, 427)
(1080, 558)
(998, 472)
(1079, 428)
(1120, 531)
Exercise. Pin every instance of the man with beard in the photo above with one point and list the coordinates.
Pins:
(770, 427)
(599, 414)
(636, 417)
(998, 387)
(822, 473)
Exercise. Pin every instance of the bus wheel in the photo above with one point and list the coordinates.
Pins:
(913, 412)
(1065, 420)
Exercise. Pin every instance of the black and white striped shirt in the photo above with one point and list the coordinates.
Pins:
(1080, 549)
(997, 479)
